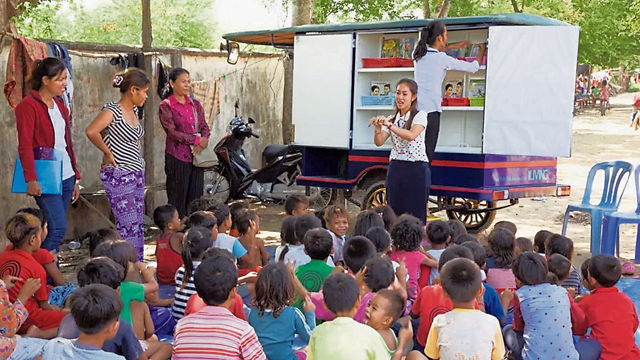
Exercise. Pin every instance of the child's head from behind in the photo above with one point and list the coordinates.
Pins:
(365, 221)
(502, 244)
(204, 219)
(530, 269)
(386, 307)
(101, 270)
(24, 231)
(99, 236)
(540, 239)
(222, 214)
(215, 280)
(584, 270)
(96, 310)
(380, 239)
(407, 233)
(464, 238)
(201, 204)
(388, 216)
(341, 294)
(337, 219)
(296, 205)
(457, 230)
(438, 233)
(559, 267)
(379, 273)
(235, 208)
(558, 244)
(166, 218)
(274, 289)
(318, 244)
(506, 225)
(478, 251)
(120, 251)
(523, 244)
(604, 271)
(38, 214)
(246, 222)
(196, 241)
(454, 252)
(305, 223)
(356, 251)
(288, 230)
(460, 280)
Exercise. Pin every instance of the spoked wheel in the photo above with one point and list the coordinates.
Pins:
(216, 186)
(320, 197)
(475, 221)
(376, 196)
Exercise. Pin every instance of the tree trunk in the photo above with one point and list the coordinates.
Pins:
(301, 12)
(438, 9)
(515, 6)
(426, 11)
(147, 37)
(314, 16)
(444, 12)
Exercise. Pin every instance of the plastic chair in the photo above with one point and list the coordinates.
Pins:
(612, 221)
(614, 174)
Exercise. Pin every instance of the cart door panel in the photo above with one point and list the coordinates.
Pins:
(322, 76)
(530, 89)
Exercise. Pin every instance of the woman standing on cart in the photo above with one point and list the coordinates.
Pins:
(409, 165)
(431, 65)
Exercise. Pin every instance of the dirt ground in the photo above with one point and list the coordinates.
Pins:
(595, 139)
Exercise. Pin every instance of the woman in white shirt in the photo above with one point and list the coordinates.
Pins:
(431, 65)
(409, 167)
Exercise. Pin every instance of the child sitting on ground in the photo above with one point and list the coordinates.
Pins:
(246, 222)
(24, 231)
(96, 310)
(558, 244)
(539, 241)
(274, 320)
(382, 241)
(337, 220)
(13, 316)
(224, 334)
(169, 243)
(499, 272)
(287, 236)
(343, 338)
(460, 279)
(296, 205)
(407, 236)
(388, 216)
(506, 225)
(457, 230)
(196, 241)
(559, 269)
(610, 314)
(235, 208)
(366, 220)
(99, 236)
(295, 253)
(522, 244)
(318, 244)
(222, 216)
(386, 307)
(439, 235)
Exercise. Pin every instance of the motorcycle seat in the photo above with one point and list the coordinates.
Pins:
(273, 151)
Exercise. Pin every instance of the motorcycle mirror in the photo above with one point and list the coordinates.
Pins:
(251, 121)
(233, 53)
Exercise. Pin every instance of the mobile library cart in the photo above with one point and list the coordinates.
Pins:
(502, 144)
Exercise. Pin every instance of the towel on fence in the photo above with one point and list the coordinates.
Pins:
(19, 64)
(208, 93)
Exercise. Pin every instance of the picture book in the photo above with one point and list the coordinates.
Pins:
(453, 88)
(408, 45)
(401, 48)
(380, 88)
(477, 88)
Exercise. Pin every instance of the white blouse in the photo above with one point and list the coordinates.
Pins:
(404, 150)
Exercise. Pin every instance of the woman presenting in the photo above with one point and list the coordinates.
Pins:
(409, 165)
(431, 65)
(122, 172)
(183, 120)
(43, 121)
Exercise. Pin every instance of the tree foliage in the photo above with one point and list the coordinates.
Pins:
(175, 23)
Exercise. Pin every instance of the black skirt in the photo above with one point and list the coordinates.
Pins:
(407, 184)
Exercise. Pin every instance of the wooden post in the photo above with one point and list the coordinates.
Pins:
(147, 36)
(287, 100)
(151, 105)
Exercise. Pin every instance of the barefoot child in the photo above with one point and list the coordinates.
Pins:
(296, 205)
(382, 312)
(169, 243)
(337, 219)
(246, 223)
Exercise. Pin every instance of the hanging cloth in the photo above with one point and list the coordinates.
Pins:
(61, 52)
(22, 55)
(208, 94)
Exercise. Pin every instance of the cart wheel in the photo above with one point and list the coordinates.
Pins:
(474, 222)
(216, 186)
(376, 196)
(320, 197)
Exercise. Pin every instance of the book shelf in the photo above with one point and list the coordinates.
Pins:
(461, 128)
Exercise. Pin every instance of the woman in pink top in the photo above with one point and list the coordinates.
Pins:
(178, 113)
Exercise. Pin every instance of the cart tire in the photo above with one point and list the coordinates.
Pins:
(376, 196)
(217, 186)
(473, 222)
(322, 197)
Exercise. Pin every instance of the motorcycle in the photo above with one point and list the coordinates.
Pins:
(234, 178)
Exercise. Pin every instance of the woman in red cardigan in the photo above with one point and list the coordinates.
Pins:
(43, 121)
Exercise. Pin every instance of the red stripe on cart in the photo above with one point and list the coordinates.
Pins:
(451, 188)
(373, 159)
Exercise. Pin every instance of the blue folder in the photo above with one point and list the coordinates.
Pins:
(48, 164)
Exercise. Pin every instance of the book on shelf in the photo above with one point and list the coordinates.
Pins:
(477, 88)
(380, 88)
(398, 48)
(453, 88)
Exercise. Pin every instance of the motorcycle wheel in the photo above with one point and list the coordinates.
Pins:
(216, 186)
(320, 198)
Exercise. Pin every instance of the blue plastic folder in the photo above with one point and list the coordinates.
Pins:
(48, 163)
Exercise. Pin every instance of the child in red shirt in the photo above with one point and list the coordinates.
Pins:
(25, 233)
(169, 243)
(431, 301)
(610, 314)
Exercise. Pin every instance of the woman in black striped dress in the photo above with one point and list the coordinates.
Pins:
(122, 172)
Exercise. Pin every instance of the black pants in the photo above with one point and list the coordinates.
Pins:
(431, 136)
(185, 183)
(406, 190)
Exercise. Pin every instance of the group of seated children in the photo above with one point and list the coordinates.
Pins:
(392, 290)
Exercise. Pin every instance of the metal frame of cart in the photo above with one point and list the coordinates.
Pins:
(503, 151)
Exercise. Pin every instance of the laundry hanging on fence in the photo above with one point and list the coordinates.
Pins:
(22, 55)
(60, 51)
(126, 61)
(162, 79)
(208, 93)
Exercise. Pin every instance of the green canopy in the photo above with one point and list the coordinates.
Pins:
(285, 36)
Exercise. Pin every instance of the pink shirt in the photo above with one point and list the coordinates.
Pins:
(179, 123)
(413, 260)
(323, 313)
(636, 100)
